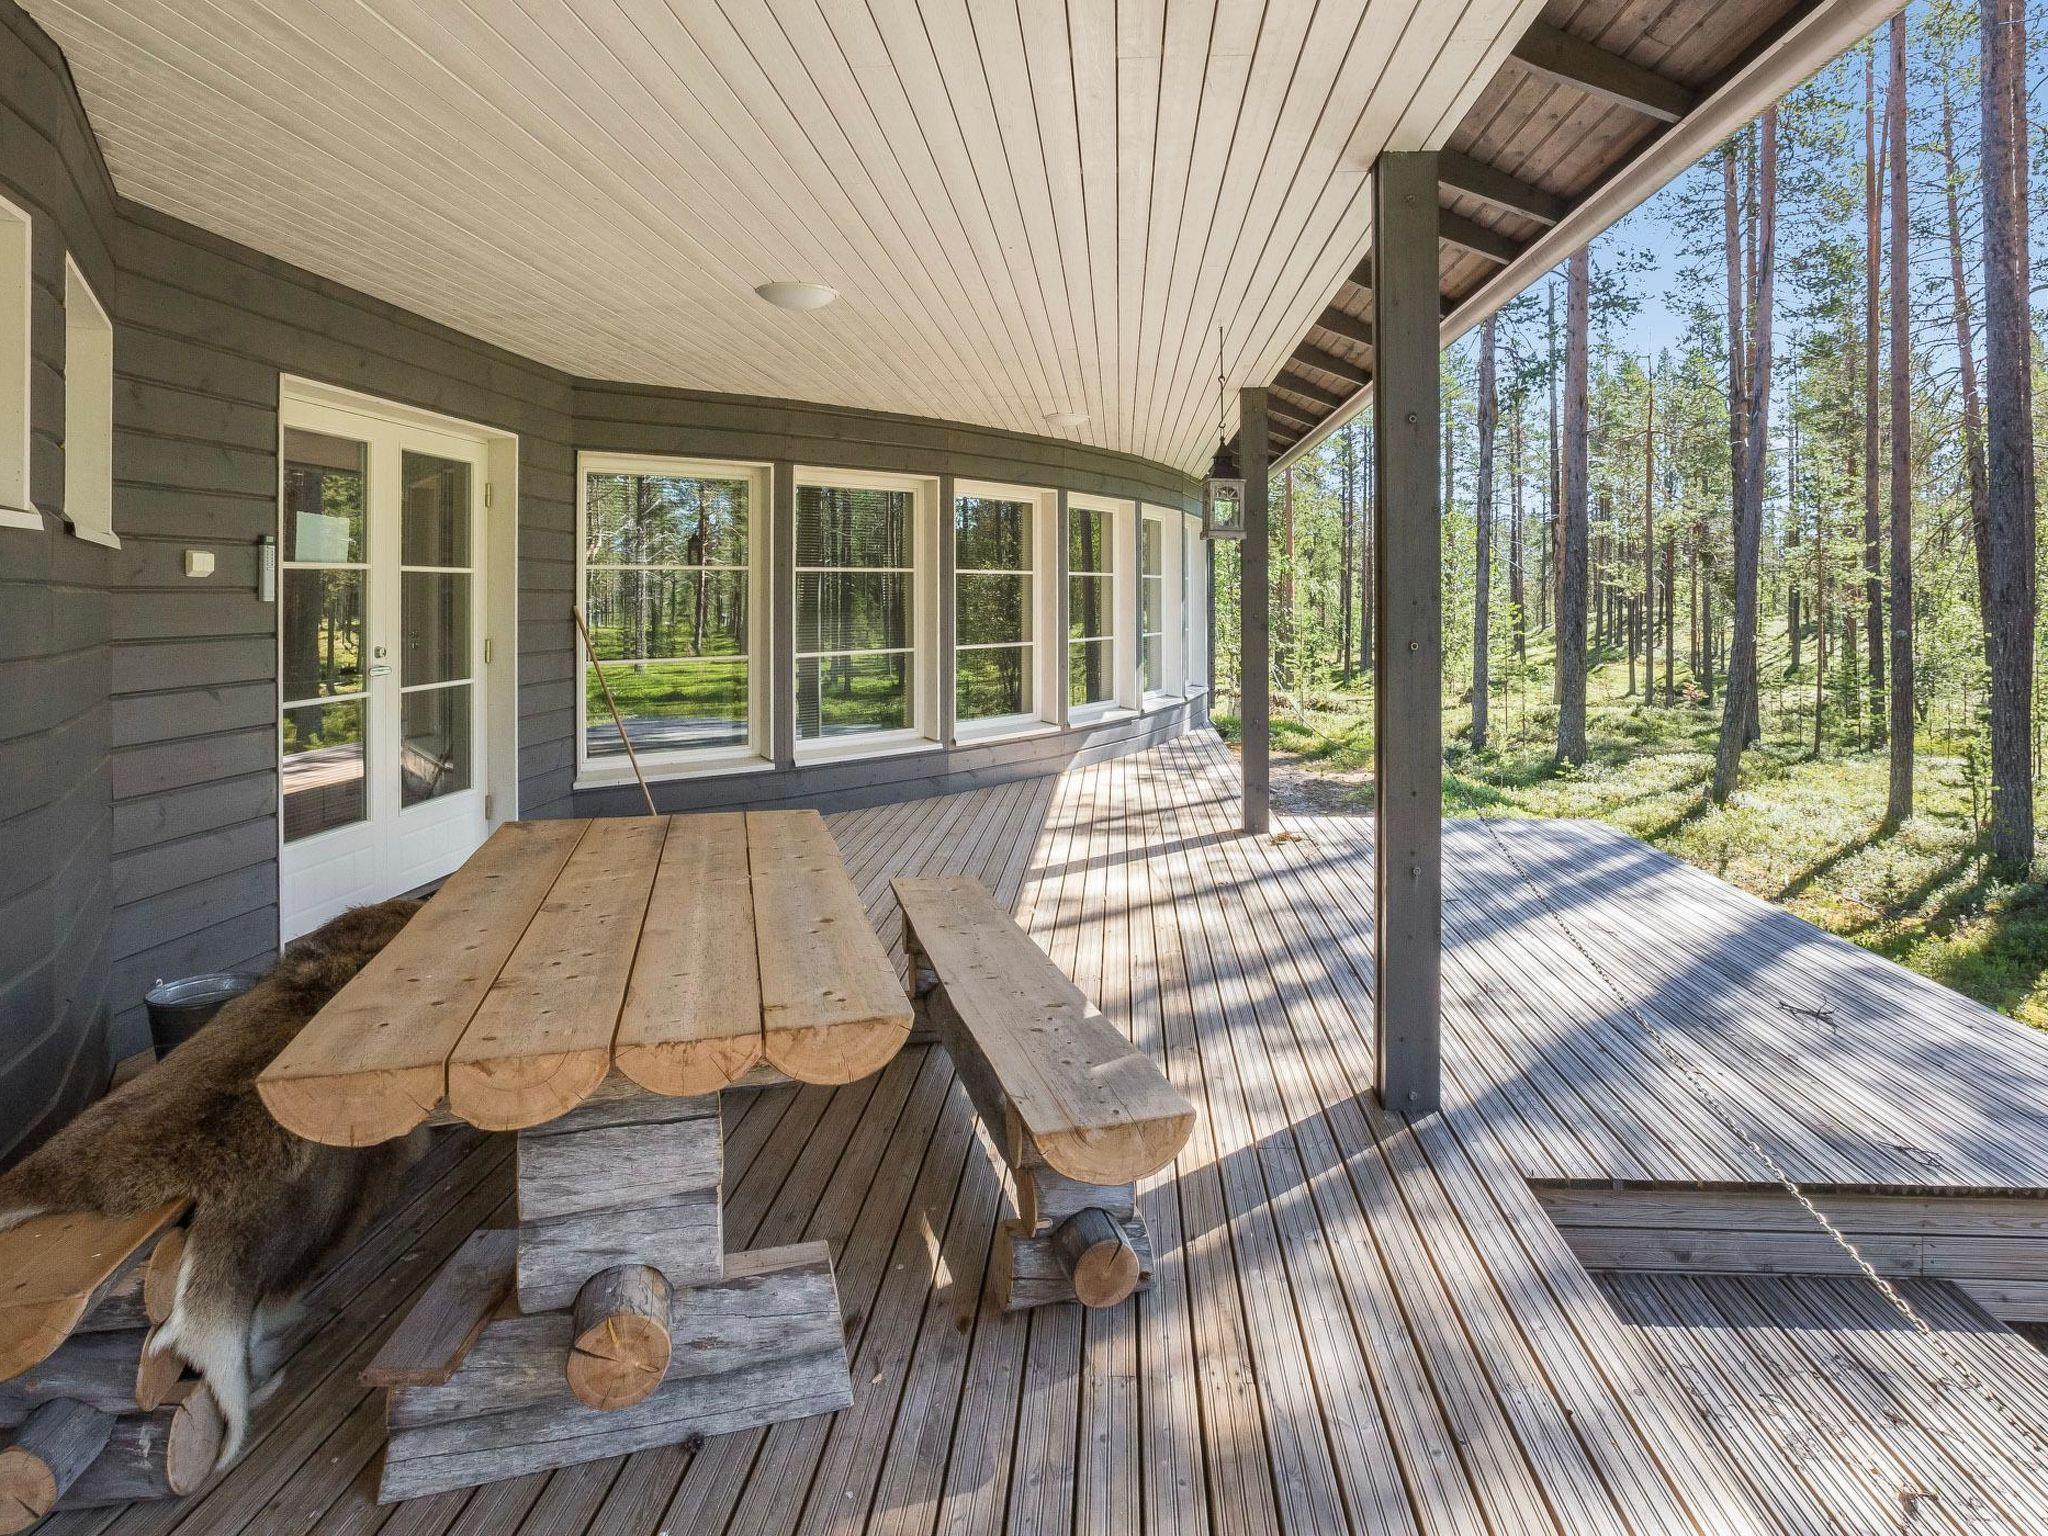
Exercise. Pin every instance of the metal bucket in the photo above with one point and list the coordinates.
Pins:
(178, 1008)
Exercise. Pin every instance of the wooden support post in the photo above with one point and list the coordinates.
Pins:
(782, 618)
(1255, 639)
(619, 1351)
(1408, 622)
(59, 1441)
(626, 1177)
(1096, 1257)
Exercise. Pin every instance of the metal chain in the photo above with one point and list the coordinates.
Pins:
(1712, 1102)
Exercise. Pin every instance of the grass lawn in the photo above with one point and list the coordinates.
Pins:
(1803, 832)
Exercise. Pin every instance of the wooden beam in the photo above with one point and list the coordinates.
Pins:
(1339, 323)
(1475, 178)
(1304, 389)
(1469, 235)
(1309, 355)
(1255, 710)
(1557, 55)
(1408, 618)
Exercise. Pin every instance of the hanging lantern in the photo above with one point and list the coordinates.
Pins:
(1223, 497)
(1223, 491)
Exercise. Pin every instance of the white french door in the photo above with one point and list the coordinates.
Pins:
(381, 624)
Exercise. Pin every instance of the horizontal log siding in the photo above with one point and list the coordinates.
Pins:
(55, 828)
(206, 330)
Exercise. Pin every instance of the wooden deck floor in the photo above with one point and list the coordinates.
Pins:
(1359, 1323)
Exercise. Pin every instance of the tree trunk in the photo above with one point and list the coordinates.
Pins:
(1873, 256)
(1366, 471)
(1571, 587)
(1750, 366)
(1482, 518)
(1349, 470)
(1792, 614)
(2009, 434)
(1899, 799)
(1649, 603)
(1554, 547)
(1517, 595)
(1966, 353)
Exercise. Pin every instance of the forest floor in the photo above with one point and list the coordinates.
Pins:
(1803, 831)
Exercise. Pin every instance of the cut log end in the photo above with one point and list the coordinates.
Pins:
(844, 1052)
(682, 1069)
(56, 1444)
(157, 1372)
(1097, 1257)
(160, 1275)
(28, 1491)
(193, 1446)
(353, 1109)
(621, 1347)
(510, 1093)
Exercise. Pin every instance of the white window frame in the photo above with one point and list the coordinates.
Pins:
(923, 651)
(88, 411)
(751, 755)
(1123, 601)
(1194, 613)
(1153, 690)
(17, 306)
(1045, 655)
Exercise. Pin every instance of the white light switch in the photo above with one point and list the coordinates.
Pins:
(198, 562)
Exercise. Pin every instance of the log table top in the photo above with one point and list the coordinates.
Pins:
(682, 950)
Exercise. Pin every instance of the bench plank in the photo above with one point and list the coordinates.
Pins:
(437, 1334)
(374, 1062)
(692, 1019)
(1095, 1107)
(542, 1037)
(832, 1007)
(53, 1268)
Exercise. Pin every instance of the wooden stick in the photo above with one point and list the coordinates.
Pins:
(626, 741)
(621, 1347)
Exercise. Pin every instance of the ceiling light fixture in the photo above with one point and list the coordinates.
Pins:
(795, 295)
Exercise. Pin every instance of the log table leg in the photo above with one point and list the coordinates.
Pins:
(1096, 1256)
(619, 1352)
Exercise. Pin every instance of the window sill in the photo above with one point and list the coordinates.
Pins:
(860, 748)
(1099, 714)
(20, 517)
(1156, 702)
(1010, 728)
(718, 768)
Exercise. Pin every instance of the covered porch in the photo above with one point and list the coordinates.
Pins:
(1570, 1301)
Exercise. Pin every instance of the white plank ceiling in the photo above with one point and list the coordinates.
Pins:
(1029, 207)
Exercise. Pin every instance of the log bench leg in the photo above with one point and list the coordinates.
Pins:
(1072, 1242)
(619, 1351)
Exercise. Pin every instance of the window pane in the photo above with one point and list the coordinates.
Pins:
(321, 754)
(851, 695)
(1088, 540)
(1151, 661)
(1089, 665)
(436, 627)
(435, 756)
(852, 611)
(638, 615)
(1152, 604)
(322, 625)
(323, 498)
(1151, 548)
(436, 525)
(667, 706)
(992, 683)
(854, 526)
(992, 535)
(993, 609)
(1090, 600)
(665, 520)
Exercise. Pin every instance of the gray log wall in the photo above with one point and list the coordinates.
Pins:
(138, 774)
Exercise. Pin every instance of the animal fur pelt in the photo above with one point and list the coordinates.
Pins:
(268, 1206)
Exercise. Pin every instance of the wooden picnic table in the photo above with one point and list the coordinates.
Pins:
(593, 985)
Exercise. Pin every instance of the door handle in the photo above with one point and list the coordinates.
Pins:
(379, 671)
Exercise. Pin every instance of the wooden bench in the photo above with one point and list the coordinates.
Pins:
(91, 1412)
(1077, 1112)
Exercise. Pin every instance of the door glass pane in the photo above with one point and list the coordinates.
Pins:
(321, 751)
(436, 625)
(436, 527)
(323, 498)
(322, 632)
(993, 683)
(667, 706)
(434, 744)
(851, 695)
